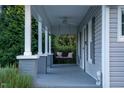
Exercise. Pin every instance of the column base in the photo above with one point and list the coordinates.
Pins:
(40, 53)
(42, 64)
(50, 59)
(28, 65)
(27, 53)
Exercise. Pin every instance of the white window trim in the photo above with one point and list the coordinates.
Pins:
(120, 38)
(89, 41)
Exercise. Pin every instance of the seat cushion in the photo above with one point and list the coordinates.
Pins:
(59, 54)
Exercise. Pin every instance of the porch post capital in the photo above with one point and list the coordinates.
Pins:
(39, 19)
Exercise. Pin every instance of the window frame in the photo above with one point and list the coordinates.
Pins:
(120, 37)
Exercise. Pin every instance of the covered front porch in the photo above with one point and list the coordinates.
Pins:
(80, 20)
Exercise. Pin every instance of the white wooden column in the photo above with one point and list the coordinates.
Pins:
(46, 40)
(49, 43)
(27, 50)
(40, 37)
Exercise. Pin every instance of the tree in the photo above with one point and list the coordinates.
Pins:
(12, 34)
(65, 43)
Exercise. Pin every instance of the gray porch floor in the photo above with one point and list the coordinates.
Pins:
(65, 76)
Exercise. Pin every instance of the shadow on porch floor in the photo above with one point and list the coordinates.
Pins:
(65, 76)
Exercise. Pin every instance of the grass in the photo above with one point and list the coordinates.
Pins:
(11, 78)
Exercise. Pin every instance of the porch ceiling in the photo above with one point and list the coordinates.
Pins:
(53, 15)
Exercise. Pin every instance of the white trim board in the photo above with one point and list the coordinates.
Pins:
(105, 47)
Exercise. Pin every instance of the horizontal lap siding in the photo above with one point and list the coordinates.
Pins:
(96, 11)
(116, 52)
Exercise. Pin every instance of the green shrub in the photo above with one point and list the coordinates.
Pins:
(12, 34)
(65, 43)
(11, 78)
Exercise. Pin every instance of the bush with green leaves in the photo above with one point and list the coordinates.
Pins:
(12, 34)
(11, 78)
(65, 43)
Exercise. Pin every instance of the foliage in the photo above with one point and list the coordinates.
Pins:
(12, 34)
(65, 43)
(10, 78)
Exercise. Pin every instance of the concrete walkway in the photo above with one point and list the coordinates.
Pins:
(65, 76)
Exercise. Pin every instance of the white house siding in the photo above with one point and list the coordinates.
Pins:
(96, 11)
(116, 52)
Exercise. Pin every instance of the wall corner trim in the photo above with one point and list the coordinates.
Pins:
(105, 47)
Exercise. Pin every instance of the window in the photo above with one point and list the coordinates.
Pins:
(121, 23)
(91, 41)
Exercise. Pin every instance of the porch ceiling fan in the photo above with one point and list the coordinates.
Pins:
(64, 20)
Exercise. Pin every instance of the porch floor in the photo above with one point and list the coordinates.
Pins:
(65, 76)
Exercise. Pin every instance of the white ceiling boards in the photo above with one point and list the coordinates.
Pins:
(57, 15)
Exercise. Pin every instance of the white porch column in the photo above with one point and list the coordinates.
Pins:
(46, 40)
(27, 50)
(40, 38)
(49, 43)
